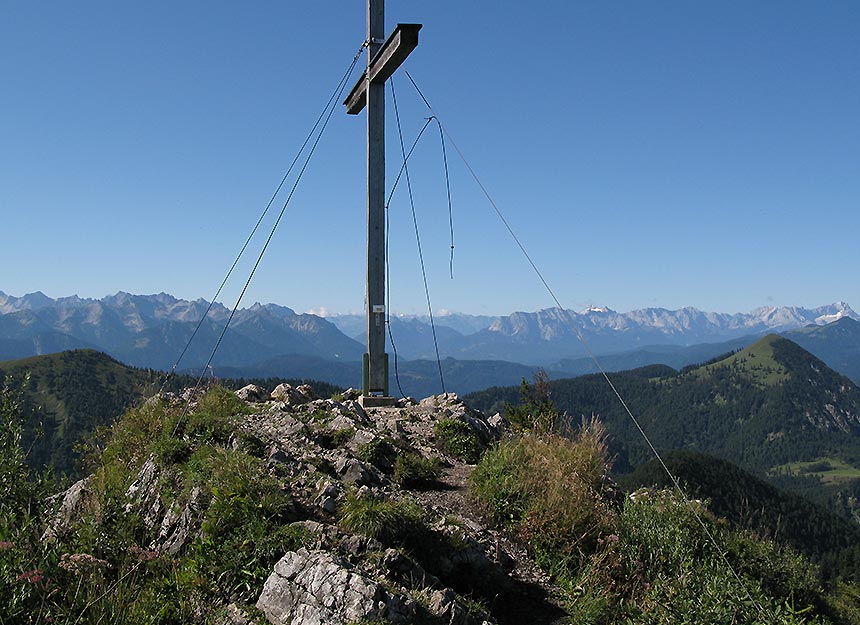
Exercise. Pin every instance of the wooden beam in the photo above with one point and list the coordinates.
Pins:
(402, 41)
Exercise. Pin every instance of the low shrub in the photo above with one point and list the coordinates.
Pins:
(391, 522)
(380, 453)
(170, 450)
(458, 439)
(213, 419)
(412, 470)
(332, 439)
(552, 490)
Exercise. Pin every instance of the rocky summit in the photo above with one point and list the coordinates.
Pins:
(375, 503)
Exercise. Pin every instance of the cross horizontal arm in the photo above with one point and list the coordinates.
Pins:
(402, 41)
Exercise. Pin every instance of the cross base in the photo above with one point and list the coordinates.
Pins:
(377, 401)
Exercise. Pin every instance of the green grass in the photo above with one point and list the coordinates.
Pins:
(389, 521)
(414, 471)
(830, 470)
(756, 363)
(457, 439)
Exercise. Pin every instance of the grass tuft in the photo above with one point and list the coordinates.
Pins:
(458, 439)
(390, 522)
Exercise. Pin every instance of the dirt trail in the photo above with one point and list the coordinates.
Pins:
(528, 599)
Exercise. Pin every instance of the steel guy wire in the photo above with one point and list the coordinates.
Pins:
(592, 355)
(330, 106)
(310, 134)
(418, 237)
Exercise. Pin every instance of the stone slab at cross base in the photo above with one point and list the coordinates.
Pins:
(377, 401)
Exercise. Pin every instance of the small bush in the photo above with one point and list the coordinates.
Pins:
(458, 439)
(332, 439)
(551, 490)
(380, 453)
(214, 418)
(251, 444)
(170, 450)
(245, 529)
(412, 470)
(392, 522)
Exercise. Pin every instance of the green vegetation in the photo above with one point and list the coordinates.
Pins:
(758, 363)
(831, 470)
(68, 396)
(647, 558)
(389, 521)
(103, 571)
(536, 409)
(379, 452)
(742, 409)
(412, 470)
(550, 490)
(748, 502)
(71, 394)
(457, 439)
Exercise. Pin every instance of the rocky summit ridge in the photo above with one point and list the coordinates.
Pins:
(333, 456)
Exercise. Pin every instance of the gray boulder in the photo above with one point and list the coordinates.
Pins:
(252, 393)
(69, 507)
(317, 587)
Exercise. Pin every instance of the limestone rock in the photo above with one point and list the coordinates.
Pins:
(293, 396)
(444, 604)
(252, 393)
(143, 494)
(317, 587)
(351, 394)
(72, 504)
(179, 523)
(354, 471)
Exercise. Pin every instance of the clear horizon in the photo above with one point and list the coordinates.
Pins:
(646, 155)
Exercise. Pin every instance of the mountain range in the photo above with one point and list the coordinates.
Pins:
(477, 351)
(546, 336)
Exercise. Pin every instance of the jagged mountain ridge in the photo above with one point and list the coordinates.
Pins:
(151, 330)
(550, 334)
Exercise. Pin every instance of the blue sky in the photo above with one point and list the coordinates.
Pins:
(648, 154)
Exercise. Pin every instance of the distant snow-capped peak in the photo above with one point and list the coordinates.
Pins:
(597, 309)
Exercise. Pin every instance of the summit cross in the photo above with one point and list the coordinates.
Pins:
(383, 59)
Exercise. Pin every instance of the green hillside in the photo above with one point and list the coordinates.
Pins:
(770, 404)
(69, 394)
(751, 503)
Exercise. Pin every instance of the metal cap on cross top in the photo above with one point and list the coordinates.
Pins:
(383, 59)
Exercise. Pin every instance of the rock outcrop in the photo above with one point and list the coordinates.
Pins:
(324, 455)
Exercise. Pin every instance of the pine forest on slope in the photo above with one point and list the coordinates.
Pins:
(764, 406)
(68, 396)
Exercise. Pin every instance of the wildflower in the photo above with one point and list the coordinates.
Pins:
(33, 577)
(78, 562)
(609, 540)
(143, 555)
(5, 545)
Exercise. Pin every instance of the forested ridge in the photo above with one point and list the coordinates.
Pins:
(767, 405)
(68, 395)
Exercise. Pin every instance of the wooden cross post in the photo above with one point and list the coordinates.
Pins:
(383, 58)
